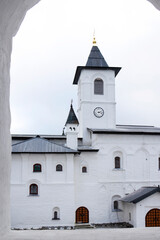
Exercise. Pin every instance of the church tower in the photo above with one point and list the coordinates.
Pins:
(96, 94)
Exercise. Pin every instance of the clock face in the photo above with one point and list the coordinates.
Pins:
(98, 112)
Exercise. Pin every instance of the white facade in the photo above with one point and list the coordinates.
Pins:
(55, 190)
(88, 101)
(134, 213)
(111, 161)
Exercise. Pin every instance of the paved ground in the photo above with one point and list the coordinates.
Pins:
(84, 234)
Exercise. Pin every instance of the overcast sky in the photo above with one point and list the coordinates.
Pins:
(56, 37)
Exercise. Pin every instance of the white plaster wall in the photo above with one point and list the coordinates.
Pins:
(11, 16)
(130, 208)
(72, 134)
(37, 211)
(88, 101)
(139, 167)
(94, 189)
(144, 206)
(139, 158)
(55, 189)
(139, 210)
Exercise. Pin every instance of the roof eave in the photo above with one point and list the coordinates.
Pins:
(75, 152)
(140, 198)
(88, 150)
(123, 132)
(80, 68)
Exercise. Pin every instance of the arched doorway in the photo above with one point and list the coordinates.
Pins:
(82, 215)
(153, 218)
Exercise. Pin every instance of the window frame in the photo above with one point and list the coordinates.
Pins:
(30, 189)
(56, 213)
(57, 167)
(98, 86)
(159, 163)
(117, 162)
(84, 169)
(115, 205)
(37, 164)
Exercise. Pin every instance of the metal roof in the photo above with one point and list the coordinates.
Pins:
(40, 145)
(96, 59)
(128, 129)
(72, 119)
(140, 194)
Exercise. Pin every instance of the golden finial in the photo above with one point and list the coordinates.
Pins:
(94, 39)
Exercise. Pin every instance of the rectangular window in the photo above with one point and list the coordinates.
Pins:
(159, 163)
(117, 162)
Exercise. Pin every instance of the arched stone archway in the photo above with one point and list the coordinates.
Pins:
(156, 3)
(12, 13)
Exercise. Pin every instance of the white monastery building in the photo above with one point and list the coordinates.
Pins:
(96, 172)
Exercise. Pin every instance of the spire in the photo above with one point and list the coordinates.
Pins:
(72, 119)
(95, 58)
(94, 39)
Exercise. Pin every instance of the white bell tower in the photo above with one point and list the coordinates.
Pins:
(96, 94)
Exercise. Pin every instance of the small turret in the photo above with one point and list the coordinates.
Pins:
(72, 129)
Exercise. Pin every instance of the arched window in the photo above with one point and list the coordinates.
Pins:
(84, 169)
(37, 167)
(33, 189)
(56, 213)
(59, 168)
(115, 205)
(98, 86)
(117, 162)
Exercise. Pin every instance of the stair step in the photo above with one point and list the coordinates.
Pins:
(83, 226)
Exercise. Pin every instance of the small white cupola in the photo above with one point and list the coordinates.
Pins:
(72, 129)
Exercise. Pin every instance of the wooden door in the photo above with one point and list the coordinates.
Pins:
(82, 215)
(153, 218)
